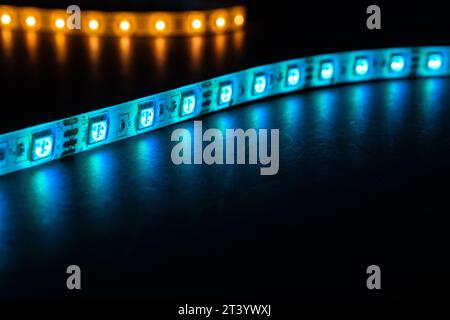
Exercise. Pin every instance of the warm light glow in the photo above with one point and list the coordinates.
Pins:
(220, 22)
(124, 25)
(196, 24)
(59, 23)
(30, 21)
(6, 19)
(160, 25)
(239, 20)
(93, 24)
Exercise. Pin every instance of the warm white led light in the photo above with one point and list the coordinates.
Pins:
(196, 24)
(60, 23)
(160, 25)
(220, 22)
(30, 21)
(94, 24)
(239, 20)
(125, 25)
(6, 19)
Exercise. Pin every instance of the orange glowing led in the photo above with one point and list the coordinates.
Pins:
(124, 25)
(30, 21)
(196, 24)
(60, 23)
(6, 19)
(94, 24)
(220, 22)
(160, 25)
(239, 20)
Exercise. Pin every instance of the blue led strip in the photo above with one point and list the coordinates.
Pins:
(42, 143)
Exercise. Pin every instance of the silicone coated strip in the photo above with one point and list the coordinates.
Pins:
(154, 23)
(42, 143)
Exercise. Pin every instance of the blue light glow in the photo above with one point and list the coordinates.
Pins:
(188, 106)
(361, 66)
(146, 117)
(259, 84)
(42, 147)
(326, 70)
(397, 63)
(98, 131)
(434, 61)
(90, 129)
(293, 76)
(225, 93)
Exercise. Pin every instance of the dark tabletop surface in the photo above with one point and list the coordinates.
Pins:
(364, 175)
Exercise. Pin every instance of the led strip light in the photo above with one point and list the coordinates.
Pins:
(125, 23)
(42, 143)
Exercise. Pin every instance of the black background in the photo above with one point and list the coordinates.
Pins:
(355, 187)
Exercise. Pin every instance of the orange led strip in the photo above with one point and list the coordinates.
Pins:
(155, 23)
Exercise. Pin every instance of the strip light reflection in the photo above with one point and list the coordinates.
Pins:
(152, 23)
(42, 143)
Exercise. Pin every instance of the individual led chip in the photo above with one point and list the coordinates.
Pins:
(397, 63)
(361, 66)
(98, 128)
(326, 70)
(259, 83)
(225, 92)
(146, 115)
(292, 76)
(42, 145)
(434, 61)
(188, 104)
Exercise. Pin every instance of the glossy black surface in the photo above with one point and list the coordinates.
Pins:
(363, 178)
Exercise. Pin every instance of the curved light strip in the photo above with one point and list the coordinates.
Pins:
(42, 143)
(155, 23)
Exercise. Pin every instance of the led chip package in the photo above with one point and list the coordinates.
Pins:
(188, 104)
(259, 83)
(225, 93)
(98, 128)
(146, 115)
(42, 145)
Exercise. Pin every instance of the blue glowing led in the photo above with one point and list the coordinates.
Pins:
(293, 76)
(361, 66)
(188, 105)
(259, 83)
(397, 63)
(225, 93)
(146, 116)
(326, 70)
(434, 61)
(98, 131)
(42, 147)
